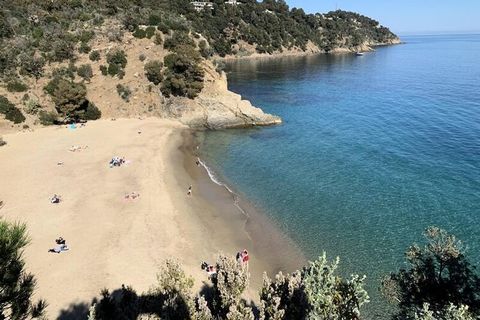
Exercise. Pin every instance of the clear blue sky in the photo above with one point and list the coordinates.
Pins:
(407, 16)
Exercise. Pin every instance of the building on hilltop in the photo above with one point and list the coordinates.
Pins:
(232, 2)
(201, 5)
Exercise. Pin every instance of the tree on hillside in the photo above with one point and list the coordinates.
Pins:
(439, 279)
(16, 285)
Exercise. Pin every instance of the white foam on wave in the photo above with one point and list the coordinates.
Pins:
(217, 181)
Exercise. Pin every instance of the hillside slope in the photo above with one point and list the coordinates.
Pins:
(75, 60)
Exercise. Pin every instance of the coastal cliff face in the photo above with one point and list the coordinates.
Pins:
(216, 107)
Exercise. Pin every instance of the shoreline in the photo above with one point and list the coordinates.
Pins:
(266, 240)
(337, 51)
(113, 241)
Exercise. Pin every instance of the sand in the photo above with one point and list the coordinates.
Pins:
(114, 241)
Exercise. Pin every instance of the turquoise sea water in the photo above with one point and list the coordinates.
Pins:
(373, 150)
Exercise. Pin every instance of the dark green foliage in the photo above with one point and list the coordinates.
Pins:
(31, 66)
(117, 57)
(94, 55)
(104, 70)
(70, 100)
(438, 274)
(124, 92)
(139, 33)
(47, 118)
(113, 69)
(183, 77)
(117, 60)
(204, 49)
(91, 112)
(153, 71)
(16, 86)
(10, 111)
(178, 39)
(84, 48)
(149, 32)
(158, 39)
(85, 71)
(16, 285)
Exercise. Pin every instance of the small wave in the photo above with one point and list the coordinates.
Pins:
(213, 177)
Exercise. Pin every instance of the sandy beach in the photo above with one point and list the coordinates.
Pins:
(114, 241)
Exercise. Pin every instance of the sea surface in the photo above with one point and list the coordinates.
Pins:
(372, 150)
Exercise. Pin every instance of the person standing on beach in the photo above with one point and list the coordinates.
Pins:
(189, 193)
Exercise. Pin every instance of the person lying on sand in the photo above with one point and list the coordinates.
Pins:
(60, 241)
(55, 199)
(59, 248)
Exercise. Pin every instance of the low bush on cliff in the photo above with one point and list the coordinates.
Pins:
(10, 111)
(153, 71)
(117, 61)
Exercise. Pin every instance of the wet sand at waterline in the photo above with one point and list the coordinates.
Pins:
(114, 241)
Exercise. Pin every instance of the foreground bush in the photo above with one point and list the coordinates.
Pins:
(439, 277)
(16, 285)
(117, 61)
(11, 112)
(315, 292)
(153, 71)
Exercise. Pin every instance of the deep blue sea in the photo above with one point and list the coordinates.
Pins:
(373, 150)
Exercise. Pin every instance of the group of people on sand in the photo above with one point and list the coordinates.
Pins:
(61, 245)
(117, 162)
(132, 195)
(242, 259)
(77, 148)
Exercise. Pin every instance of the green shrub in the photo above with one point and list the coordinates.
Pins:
(85, 71)
(52, 85)
(154, 19)
(124, 92)
(84, 48)
(113, 69)
(48, 118)
(31, 66)
(184, 76)
(149, 32)
(31, 106)
(104, 70)
(92, 112)
(11, 112)
(16, 86)
(117, 57)
(142, 57)
(94, 55)
(139, 33)
(153, 71)
(86, 36)
(178, 39)
(64, 72)
(158, 39)
(117, 60)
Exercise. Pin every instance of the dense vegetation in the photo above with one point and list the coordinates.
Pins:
(45, 38)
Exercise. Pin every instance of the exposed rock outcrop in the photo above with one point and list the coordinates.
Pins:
(216, 107)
